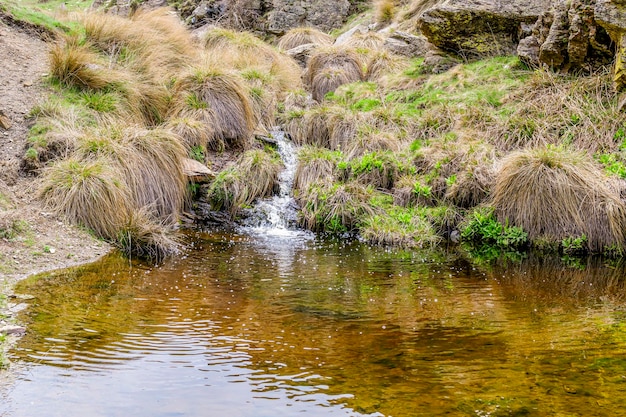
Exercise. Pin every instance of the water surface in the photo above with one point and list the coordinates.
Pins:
(280, 326)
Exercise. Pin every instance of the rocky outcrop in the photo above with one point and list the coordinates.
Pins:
(479, 27)
(270, 16)
(611, 15)
(322, 14)
(567, 38)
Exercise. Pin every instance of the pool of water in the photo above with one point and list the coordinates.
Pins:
(245, 325)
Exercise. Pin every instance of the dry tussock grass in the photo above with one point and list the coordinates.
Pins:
(77, 65)
(332, 57)
(304, 35)
(328, 79)
(192, 131)
(88, 192)
(553, 109)
(220, 100)
(243, 50)
(554, 193)
(315, 165)
(365, 42)
(382, 63)
(325, 206)
(385, 11)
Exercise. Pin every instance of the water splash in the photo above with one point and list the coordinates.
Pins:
(277, 216)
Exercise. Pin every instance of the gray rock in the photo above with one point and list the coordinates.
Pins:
(567, 38)
(302, 53)
(322, 14)
(403, 43)
(11, 329)
(345, 37)
(479, 27)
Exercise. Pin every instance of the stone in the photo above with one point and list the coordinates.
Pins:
(611, 15)
(473, 28)
(322, 14)
(567, 38)
(302, 53)
(406, 44)
(12, 330)
(5, 122)
(196, 171)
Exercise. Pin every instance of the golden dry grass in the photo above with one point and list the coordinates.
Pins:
(328, 79)
(332, 57)
(243, 50)
(385, 11)
(254, 175)
(555, 193)
(314, 165)
(383, 63)
(90, 193)
(304, 35)
(219, 99)
(77, 65)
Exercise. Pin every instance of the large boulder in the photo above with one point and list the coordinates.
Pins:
(479, 27)
(611, 15)
(567, 38)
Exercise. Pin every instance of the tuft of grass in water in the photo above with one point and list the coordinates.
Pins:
(399, 226)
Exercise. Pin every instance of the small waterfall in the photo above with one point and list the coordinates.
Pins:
(277, 215)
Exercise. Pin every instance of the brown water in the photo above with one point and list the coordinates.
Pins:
(247, 326)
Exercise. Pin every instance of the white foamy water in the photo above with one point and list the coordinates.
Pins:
(276, 216)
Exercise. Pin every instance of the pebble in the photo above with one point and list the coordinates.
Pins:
(10, 329)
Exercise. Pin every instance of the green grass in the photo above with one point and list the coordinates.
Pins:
(47, 15)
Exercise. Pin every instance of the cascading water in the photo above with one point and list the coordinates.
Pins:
(277, 215)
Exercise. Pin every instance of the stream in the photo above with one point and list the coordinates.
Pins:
(243, 325)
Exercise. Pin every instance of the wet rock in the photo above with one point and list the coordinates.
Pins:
(479, 27)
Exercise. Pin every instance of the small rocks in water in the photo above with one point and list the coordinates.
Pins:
(10, 329)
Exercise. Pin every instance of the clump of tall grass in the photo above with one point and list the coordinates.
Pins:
(304, 35)
(90, 193)
(153, 43)
(74, 64)
(385, 11)
(335, 208)
(398, 227)
(253, 176)
(383, 63)
(315, 165)
(220, 100)
(556, 193)
(343, 63)
(242, 50)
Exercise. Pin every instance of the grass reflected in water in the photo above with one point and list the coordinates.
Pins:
(250, 327)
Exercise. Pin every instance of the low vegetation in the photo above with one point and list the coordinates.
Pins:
(489, 152)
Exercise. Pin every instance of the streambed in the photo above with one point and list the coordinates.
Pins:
(255, 325)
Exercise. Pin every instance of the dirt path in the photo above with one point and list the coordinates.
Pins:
(40, 241)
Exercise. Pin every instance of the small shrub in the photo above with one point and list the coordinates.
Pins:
(483, 227)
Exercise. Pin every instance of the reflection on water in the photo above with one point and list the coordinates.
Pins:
(246, 326)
